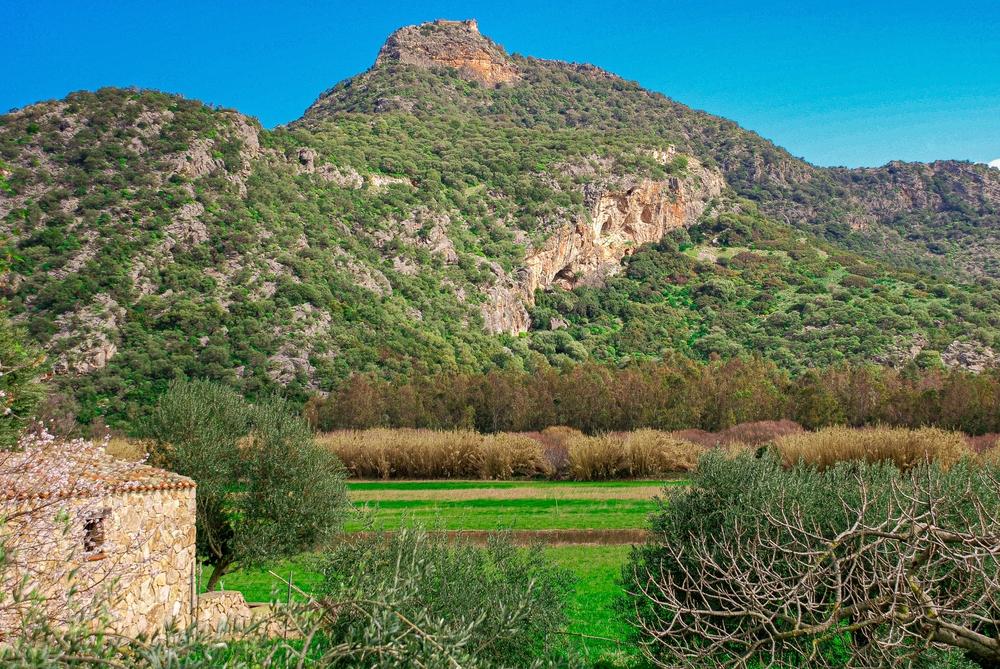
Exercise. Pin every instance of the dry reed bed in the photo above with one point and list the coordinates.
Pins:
(430, 454)
(565, 453)
(553, 453)
(639, 454)
(903, 447)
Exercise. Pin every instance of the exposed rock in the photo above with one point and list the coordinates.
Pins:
(199, 160)
(307, 160)
(455, 44)
(380, 181)
(902, 351)
(186, 230)
(88, 250)
(429, 230)
(301, 336)
(394, 103)
(622, 218)
(404, 266)
(504, 309)
(367, 277)
(345, 178)
(971, 355)
(90, 333)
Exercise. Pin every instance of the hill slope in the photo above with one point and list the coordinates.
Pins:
(944, 216)
(458, 208)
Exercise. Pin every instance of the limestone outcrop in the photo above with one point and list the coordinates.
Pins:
(623, 215)
(455, 44)
(973, 356)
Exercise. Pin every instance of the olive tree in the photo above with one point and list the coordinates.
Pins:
(859, 565)
(265, 489)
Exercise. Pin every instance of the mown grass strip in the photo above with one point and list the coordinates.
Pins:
(565, 493)
(354, 485)
(512, 514)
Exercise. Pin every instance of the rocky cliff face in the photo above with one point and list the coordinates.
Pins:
(455, 44)
(624, 214)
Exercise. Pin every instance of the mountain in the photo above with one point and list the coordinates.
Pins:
(457, 207)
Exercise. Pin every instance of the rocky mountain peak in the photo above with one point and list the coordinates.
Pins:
(455, 44)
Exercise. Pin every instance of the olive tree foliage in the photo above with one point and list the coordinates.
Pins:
(265, 489)
(464, 605)
(860, 565)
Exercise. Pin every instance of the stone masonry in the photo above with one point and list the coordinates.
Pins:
(120, 536)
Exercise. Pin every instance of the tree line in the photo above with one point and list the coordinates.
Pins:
(672, 394)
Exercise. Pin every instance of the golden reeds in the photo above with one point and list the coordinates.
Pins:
(903, 447)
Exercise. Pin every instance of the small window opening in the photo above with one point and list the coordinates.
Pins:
(94, 532)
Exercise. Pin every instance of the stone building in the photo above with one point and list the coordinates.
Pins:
(118, 535)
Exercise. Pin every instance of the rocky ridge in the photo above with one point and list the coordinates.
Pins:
(450, 44)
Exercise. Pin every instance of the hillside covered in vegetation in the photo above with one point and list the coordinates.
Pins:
(459, 209)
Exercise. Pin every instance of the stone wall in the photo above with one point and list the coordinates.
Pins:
(223, 611)
(226, 613)
(138, 563)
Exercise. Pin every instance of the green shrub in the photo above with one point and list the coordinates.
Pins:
(499, 605)
(20, 392)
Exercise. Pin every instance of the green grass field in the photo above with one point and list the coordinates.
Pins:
(357, 486)
(488, 505)
(514, 514)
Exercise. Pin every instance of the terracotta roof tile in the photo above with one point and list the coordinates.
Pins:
(50, 468)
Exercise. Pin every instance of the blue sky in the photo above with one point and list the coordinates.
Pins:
(838, 83)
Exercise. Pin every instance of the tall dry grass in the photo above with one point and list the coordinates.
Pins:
(560, 453)
(555, 443)
(407, 453)
(639, 454)
(554, 453)
(506, 455)
(904, 447)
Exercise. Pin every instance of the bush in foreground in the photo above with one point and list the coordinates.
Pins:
(854, 565)
(498, 606)
(20, 391)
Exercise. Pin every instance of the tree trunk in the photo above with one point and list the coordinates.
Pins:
(218, 570)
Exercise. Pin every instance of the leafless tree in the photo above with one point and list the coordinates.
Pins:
(914, 567)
